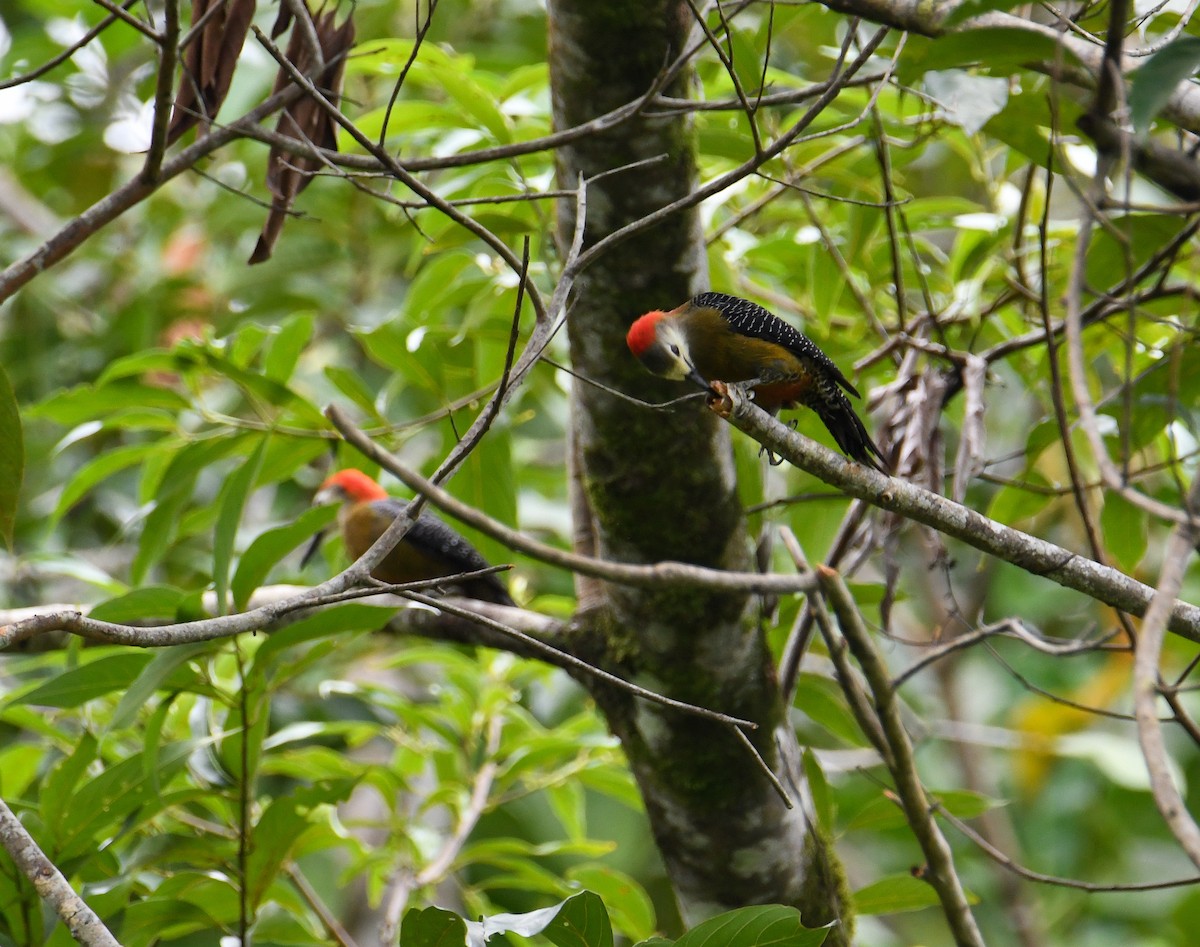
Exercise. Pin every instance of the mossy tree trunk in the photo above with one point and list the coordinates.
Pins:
(657, 485)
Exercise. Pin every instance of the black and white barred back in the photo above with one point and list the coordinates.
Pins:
(822, 394)
(749, 318)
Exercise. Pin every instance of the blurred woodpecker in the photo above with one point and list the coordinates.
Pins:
(429, 550)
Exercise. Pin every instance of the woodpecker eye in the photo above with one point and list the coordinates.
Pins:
(675, 350)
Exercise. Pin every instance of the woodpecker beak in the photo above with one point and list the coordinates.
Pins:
(322, 498)
(313, 545)
(695, 376)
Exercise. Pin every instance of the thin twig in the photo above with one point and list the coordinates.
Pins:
(715, 186)
(477, 803)
(168, 51)
(418, 38)
(1028, 873)
(55, 61)
(564, 659)
(313, 899)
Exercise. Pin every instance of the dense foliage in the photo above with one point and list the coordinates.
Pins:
(322, 778)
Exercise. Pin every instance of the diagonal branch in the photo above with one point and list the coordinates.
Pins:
(939, 870)
(50, 884)
(113, 205)
(1146, 682)
(662, 573)
(1034, 555)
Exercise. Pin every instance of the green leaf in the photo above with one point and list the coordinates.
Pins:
(275, 834)
(265, 391)
(895, 894)
(486, 482)
(285, 347)
(171, 494)
(12, 458)
(20, 765)
(337, 620)
(100, 468)
(268, 548)
(884, 813)
(163, 920)
(89, 681)
(242, 345)
(383, 57)
(1133, 239)
(581, 921)
(433, 927)
(140, 363)
(151, 601)
(152, 678)
(1001, 49)
(1016, 502)
(1125, 529)
(631, 908)
(568, 802)
(823, 802)
(75, 567)
(767, 925)
(92, 402)
(230, 503)
(822, 701)
(352, 386)
(59, 787)
(973, 8)
(1155, 81)
(472, 99)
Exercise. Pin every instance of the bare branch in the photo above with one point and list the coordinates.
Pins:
(162, 92)
(70, 51)
(113, 205)
(719, 184)
(1028, 873)
(1146, 681)
(662, 573)
(1034, 555)
(940, 870)
(581, 666)
(50, 884)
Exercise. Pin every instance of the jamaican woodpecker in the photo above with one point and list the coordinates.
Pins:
(428, 550)
(715, 337)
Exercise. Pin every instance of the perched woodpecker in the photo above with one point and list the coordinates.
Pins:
(428, 550)
(715, 337)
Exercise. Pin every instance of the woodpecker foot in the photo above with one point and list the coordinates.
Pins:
(772, 459)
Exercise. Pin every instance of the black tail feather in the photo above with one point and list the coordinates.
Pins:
(850, 433)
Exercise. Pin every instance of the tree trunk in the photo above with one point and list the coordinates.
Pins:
(659, 484)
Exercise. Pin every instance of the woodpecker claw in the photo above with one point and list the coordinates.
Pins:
(773, 459)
